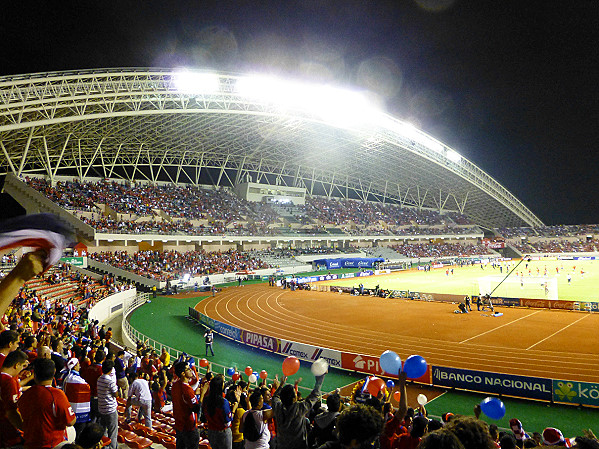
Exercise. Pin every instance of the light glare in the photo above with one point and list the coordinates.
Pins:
(453, 156)
(196, 83)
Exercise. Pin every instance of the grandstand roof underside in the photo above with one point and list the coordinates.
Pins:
(136, 124)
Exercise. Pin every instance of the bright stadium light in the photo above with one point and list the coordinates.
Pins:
(196, 83)
(334, 105)
(453, 156)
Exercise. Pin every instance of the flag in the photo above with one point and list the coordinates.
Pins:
(39, 231)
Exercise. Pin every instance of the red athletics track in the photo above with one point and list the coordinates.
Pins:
(528, 342)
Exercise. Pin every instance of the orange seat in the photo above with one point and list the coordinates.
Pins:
(124, 434)
(170, 444)
(138, 442)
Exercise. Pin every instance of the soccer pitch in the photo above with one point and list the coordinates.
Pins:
(465, 280)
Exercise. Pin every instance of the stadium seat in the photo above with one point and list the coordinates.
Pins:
(125, 434)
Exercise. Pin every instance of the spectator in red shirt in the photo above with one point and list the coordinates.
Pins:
(91, 374)
(10, 391)
(45, 410)
(412, 440)
(9, 341)
(186, 407)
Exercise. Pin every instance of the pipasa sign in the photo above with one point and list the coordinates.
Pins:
(370, 364)
(519, 386)
(260, 341)
(362, 363)
(572, 392)
(311, 353)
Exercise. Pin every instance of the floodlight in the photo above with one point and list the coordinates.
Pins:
(453, 156)
(196, 83)
(334, 105)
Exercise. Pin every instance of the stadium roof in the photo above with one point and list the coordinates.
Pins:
(162, 125)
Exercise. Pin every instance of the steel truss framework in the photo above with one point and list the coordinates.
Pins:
(136, 124)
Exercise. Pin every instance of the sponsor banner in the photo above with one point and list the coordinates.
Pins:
(77, 261)
(260, 341)
(311, 353)
(519, 386)
(589, 306)
(378, 272)
(227, 330)
(370, 364)
(547, 304)
(437, 265)
(572, 392)
(362, 363)
(442, 297)
(499, 301)
(365, 273)
(537, 303)
(221, 328)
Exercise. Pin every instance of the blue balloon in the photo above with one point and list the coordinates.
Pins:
(255, 373)
(493, 408)
(390, 384)
(230, 371)
(414, 367)
(390, 362)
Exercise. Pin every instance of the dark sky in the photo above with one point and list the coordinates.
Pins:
(511, 85)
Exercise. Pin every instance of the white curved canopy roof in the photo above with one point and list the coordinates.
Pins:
(216, 128)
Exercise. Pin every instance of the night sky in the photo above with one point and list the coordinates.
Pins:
(510, 85)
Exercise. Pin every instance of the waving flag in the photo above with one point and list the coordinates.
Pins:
(40, 231)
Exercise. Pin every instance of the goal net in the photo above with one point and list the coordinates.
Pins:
(519, 286)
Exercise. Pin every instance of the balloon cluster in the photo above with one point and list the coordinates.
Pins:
(415, 366)
(291, 366)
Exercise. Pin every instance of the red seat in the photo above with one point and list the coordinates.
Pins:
(170, 444)
(123, 434)
(138, 442)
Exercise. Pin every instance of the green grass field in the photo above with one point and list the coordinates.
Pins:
(465, 280)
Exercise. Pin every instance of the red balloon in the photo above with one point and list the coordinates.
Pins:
(248, 371)
(291, 366)
(397, 395)
(204, 363)
(375, 385)
(263, 374)
(236, 377)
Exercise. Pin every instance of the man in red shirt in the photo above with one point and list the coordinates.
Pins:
(10, 391)
(185, 408)
(45, 410)
(91, 374)
(9, 341)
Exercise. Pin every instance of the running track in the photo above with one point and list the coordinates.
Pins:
(528, 342)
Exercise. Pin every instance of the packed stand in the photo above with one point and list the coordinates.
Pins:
(550, 231)
(437, 250)
(558, 246)
(223, 213)
(165, 265)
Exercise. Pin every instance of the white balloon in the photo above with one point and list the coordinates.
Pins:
(422, 399)
(252, 378)
(319, 367)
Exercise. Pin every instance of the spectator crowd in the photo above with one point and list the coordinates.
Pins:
(164, 265)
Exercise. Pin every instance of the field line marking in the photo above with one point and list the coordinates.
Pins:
(498, 327)
(557, 332)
